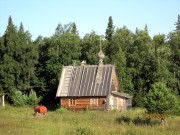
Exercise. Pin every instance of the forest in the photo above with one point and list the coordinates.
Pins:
(30, 69)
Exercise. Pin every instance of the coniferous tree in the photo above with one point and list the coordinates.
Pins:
(10, 22)
(21, 28)
(18, 60)
(160, 100)
(141, 65)
(110, 30)
(178, 24)
(8, 49)
(74, 29)
(109, 37)
(174, 42)
(122, 42)
(27, 57)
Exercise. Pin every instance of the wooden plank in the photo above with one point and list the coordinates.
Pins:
(83, 103)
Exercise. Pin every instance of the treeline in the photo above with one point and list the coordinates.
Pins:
(30, 67)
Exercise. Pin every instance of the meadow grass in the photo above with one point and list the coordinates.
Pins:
(21, 121)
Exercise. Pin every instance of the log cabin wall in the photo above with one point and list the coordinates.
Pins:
(83, 103)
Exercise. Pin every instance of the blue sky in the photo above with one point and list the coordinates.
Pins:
(41, 17)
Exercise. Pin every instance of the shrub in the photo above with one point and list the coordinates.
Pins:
(33, 99)
(176, 110)
(141, 121)
(160, 100)
(18, 98)
(61, 110)
(123, 119)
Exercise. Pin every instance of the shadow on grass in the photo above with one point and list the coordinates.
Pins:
(138, 121)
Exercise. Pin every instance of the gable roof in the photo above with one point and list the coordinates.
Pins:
(88, 80)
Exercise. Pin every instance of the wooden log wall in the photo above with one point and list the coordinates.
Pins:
(82, 103)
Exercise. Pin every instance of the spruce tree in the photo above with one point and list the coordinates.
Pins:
(21, 28)
(10, 22)
(109, 38)
(8, 49)
(110, 30)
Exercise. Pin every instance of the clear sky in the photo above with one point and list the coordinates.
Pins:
(41, 17)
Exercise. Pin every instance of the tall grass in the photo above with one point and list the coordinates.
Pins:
(20, 121)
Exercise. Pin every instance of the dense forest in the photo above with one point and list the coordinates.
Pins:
(30, 68)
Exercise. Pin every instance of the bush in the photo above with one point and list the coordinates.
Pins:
(123, 119)
(160, 100)
(138, 121)
(18, 98)
(33, 99)
(62, 110)
(176, 110)
(141, 121)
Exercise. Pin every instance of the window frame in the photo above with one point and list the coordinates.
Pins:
(94, 102)
(72, 102)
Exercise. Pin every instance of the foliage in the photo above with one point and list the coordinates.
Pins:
(123, 119)
(138, 121)
(109, 37)
(33, 99)
(18, 98)
(90, 48)
(140, 61)
(74, 29)
(160, 100)
(61, 110)
(18, 59)
(110, 29)
(178, 24)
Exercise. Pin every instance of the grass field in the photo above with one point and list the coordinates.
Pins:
(21, 121)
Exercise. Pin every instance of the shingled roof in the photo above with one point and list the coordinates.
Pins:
(88, 80)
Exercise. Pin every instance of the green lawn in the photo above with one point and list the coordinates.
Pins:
(21, 121)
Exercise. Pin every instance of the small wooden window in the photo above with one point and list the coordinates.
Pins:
(94, 101)
(72, 102)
